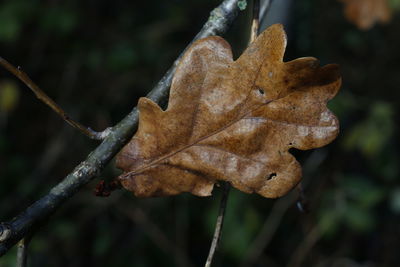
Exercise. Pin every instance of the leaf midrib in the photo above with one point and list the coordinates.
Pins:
(155, 162)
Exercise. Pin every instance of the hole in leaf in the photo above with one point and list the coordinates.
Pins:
(260, 91)
(272, 175)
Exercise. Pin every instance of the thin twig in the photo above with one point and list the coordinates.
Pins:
(219, 21)
(218, 225)
(41, 95)
(256, 21)
(22, 252)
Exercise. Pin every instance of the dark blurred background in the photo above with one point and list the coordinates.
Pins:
(96, 58)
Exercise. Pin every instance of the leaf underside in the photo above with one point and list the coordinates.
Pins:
(232, 121)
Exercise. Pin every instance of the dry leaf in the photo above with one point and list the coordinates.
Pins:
(232, 120)
(365, 13)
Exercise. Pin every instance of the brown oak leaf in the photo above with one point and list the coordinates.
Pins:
(365, 13)
(232, 120)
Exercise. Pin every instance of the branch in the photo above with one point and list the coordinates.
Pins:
(41, 95)
(218, 225)
(219, 21)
